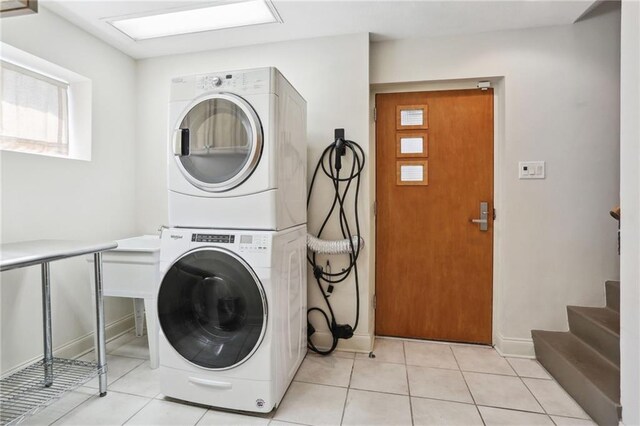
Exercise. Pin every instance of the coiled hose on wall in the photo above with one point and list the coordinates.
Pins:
(330, 163)
(319, 246)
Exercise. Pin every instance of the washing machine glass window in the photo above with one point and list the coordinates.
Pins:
(212, 308)
(218, 142)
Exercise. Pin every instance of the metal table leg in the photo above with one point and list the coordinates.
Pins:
(46, 325)
(101, 347)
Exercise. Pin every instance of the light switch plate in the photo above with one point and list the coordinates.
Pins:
(531, 170)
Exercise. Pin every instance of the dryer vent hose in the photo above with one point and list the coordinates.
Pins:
(334, 246)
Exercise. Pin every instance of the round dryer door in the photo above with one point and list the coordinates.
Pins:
(218, 142)
(212, 308)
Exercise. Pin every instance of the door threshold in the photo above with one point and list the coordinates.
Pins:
(437, 342)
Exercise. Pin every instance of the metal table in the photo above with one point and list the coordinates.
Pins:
(26, 391)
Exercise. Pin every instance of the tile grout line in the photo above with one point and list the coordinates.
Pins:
(564, 391)
(205, 413)
(387, 393)
(490, 374)
(109, 383)
(125, 374)
(344, 406)
(548, 377)
(520, 410)
(129, 356)
(553, 421)
(543, 407)
(394, 364)
(134, 414)
(346, 397)
(323, 384)
(134, 394)
(71, 409)
(536, 399)
(573, 418)
(406, 371)
(461, 370)
(287, 422)
(432, 398)
(467, 385)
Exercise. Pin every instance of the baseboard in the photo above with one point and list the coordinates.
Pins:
(358, 343)
(84, 344)
(506, 346)
(514, 347)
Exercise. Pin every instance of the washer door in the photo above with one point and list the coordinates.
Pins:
(218, 142)
(212, 308)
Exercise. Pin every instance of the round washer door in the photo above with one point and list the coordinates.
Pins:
(218, 142)
(212, 308)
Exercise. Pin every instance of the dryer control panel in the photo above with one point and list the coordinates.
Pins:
(245, 82)
(238, 82)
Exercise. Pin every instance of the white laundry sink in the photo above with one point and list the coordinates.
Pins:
(133, 270)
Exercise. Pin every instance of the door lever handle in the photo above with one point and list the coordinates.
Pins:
(483, 221)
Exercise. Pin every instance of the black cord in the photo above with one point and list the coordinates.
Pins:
(331, 163)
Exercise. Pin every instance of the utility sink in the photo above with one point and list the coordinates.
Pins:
(133, 270)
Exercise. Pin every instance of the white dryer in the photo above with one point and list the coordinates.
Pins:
(237, 151)
(232, 314)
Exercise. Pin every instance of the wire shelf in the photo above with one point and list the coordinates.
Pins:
(23, 393)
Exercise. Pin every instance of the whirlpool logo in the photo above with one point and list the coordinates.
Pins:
(176, 237)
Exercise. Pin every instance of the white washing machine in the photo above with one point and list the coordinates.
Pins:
(237, 151)
(232, 312)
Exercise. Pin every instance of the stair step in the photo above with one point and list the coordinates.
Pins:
(599, 328)
(612, 291)
(585, 374)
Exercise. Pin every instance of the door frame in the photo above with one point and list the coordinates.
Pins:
(499, 147)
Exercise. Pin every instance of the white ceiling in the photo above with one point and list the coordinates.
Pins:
(385, 20)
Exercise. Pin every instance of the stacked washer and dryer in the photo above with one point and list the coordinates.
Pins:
(232, 301)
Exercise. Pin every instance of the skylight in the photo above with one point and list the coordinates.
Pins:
(219, 16)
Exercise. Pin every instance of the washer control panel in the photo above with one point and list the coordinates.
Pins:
(213, 238)
(254, 243)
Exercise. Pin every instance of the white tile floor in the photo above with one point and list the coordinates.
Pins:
(407, 383)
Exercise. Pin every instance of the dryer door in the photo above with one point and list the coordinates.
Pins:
(212, 308)
(218, 142)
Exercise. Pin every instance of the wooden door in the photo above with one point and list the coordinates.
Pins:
(434, 275)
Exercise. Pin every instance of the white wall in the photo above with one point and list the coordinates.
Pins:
(46, 197)
(560, 89)
(630, 199)
(331, 73)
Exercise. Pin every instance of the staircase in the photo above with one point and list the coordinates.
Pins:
(586, 359)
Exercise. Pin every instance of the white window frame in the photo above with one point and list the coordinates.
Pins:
(79, 101)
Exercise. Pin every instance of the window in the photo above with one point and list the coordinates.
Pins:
(34, 114)
(45, 109)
